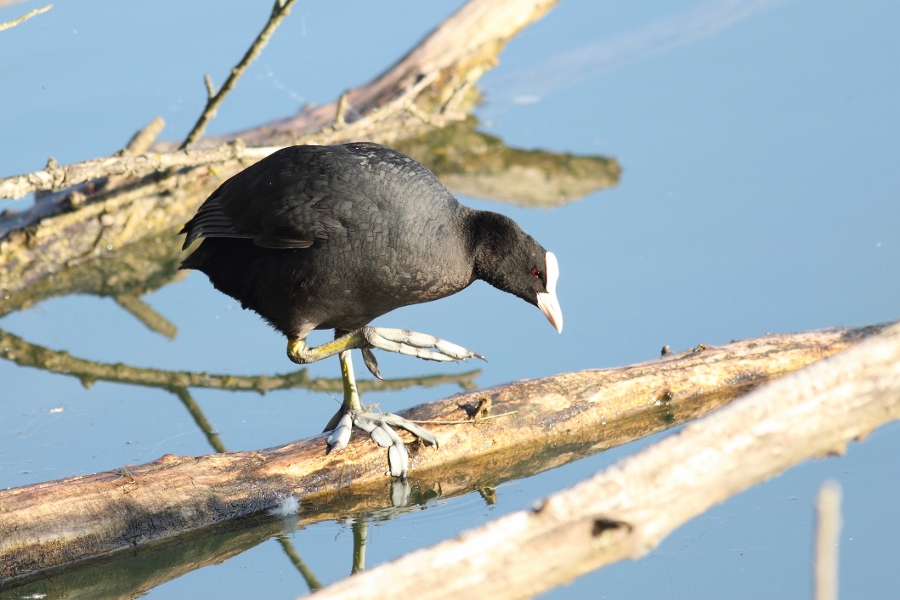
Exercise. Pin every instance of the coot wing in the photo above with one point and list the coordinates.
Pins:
(283, 201)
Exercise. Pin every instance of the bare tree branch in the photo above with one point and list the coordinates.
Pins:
(281, 9)
(54, 177)
(143, 139)
(25, 17)
(25, 354)
(445, 64)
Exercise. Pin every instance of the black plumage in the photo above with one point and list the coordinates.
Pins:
(331, 237)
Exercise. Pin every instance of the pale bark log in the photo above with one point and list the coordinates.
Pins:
(553, 421)
(629, 508)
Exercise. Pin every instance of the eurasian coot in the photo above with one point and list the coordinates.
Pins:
(331, 237)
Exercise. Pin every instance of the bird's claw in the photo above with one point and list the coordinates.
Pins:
(371, 363)
(412, 343)
(340, 435)
(380, 429)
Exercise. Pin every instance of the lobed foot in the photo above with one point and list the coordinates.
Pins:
(411, 343)
(380, 429)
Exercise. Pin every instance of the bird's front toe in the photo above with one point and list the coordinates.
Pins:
(380, 428)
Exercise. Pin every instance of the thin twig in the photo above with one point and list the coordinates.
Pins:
(828, 533)
(143, 139)
(339, 120)
(26, 354)
(210, 88)
(23, 18)
(311, 580)
(279, 12)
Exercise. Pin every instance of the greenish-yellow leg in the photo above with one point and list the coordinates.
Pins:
(351, 396)
(400, 341)
(352, 414)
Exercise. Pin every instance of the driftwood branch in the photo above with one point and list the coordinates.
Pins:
(556, 420)
(55, 177)
(629, 508)
(281, 9)
(25, 17)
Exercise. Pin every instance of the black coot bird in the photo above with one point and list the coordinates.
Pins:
(331, 237)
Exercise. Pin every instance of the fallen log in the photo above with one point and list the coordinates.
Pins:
(630, 507)
(547, 422)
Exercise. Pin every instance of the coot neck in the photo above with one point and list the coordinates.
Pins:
(492, 237)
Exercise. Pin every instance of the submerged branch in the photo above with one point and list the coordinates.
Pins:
(557, 419)
(476, 164)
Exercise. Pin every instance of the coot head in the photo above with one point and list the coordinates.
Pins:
(511, 260)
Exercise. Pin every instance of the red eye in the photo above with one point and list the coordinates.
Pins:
(535, 273)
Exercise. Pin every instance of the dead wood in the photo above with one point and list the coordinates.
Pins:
(427, 88)
(629, 508)
(98, 207)
(25, 17)
(280, 10)
(550, 422)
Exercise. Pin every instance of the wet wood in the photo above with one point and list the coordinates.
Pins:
(551, 421)
(629, 508)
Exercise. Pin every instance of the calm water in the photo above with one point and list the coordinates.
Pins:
(760, 193)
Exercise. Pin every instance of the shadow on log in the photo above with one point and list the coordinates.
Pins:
(549, 422)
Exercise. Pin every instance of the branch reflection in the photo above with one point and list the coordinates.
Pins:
(25, 354)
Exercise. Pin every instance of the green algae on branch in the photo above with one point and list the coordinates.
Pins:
(478, 164)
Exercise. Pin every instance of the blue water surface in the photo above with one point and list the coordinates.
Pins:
(760, 193)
